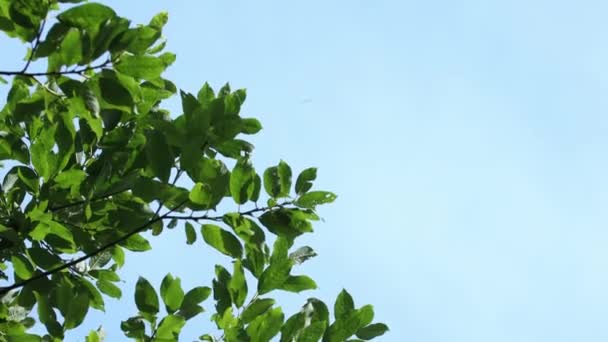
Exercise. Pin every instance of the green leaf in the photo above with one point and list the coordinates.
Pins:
(146, 298)
(366, 315)
(196, 295)
(144, 67)
(242, 181)
(23, 268)
(171, 292)
(292, 327)
(109, 289)
(47, 315)
(344, 305)
(159, 155)
(342, 328)
(238, 285)
(277, 180)
(311, 199)
(272, 182)
(95, 298)
(313, 332)
(169, 328)
(288, 223)
(250, 126)
(257, 308)
(266, 326)
(89, 16)
(284, 178)
(298, 284)
(304, 181)
(71, 48)
(274, 276)
(133, 327)
(222, 240)
(205, 95)
(118, 255)
(202, 194)
(77, 310)
(190, 233)
(136, 243)
(371, 331)
(159, 20)
(43, 258)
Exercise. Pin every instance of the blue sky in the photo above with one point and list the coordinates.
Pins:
(466, 142)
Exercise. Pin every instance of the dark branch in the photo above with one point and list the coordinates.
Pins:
(4, 290)
(34, 47)
(75, 71)
(73, 204)
(220, 218)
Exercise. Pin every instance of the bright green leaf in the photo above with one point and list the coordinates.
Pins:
(312, 199)
(171, 292)
(222, 240)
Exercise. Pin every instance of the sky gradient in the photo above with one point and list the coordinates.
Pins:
(466, 142)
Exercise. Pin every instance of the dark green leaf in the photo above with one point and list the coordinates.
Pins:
(371, 331)
(159, 156)
(146, 298)
(255, 309)
(344, 305)
(304, 181)
(77, 310)
(190, 233)
(133, 327)
(196, 296)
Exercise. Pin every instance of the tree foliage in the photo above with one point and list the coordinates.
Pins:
(92, 161)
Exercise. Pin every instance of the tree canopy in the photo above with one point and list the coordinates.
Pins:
(92, 160)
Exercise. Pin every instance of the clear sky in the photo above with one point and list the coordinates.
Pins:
(466, 141)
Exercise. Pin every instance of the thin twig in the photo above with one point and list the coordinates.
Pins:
(34, 47)
(220, 218)
(73, 204)
(75, 71)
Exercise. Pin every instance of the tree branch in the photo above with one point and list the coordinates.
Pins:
(6, 289)
(220, 218)
(30, 58)
(73, 204)
(74, 71)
